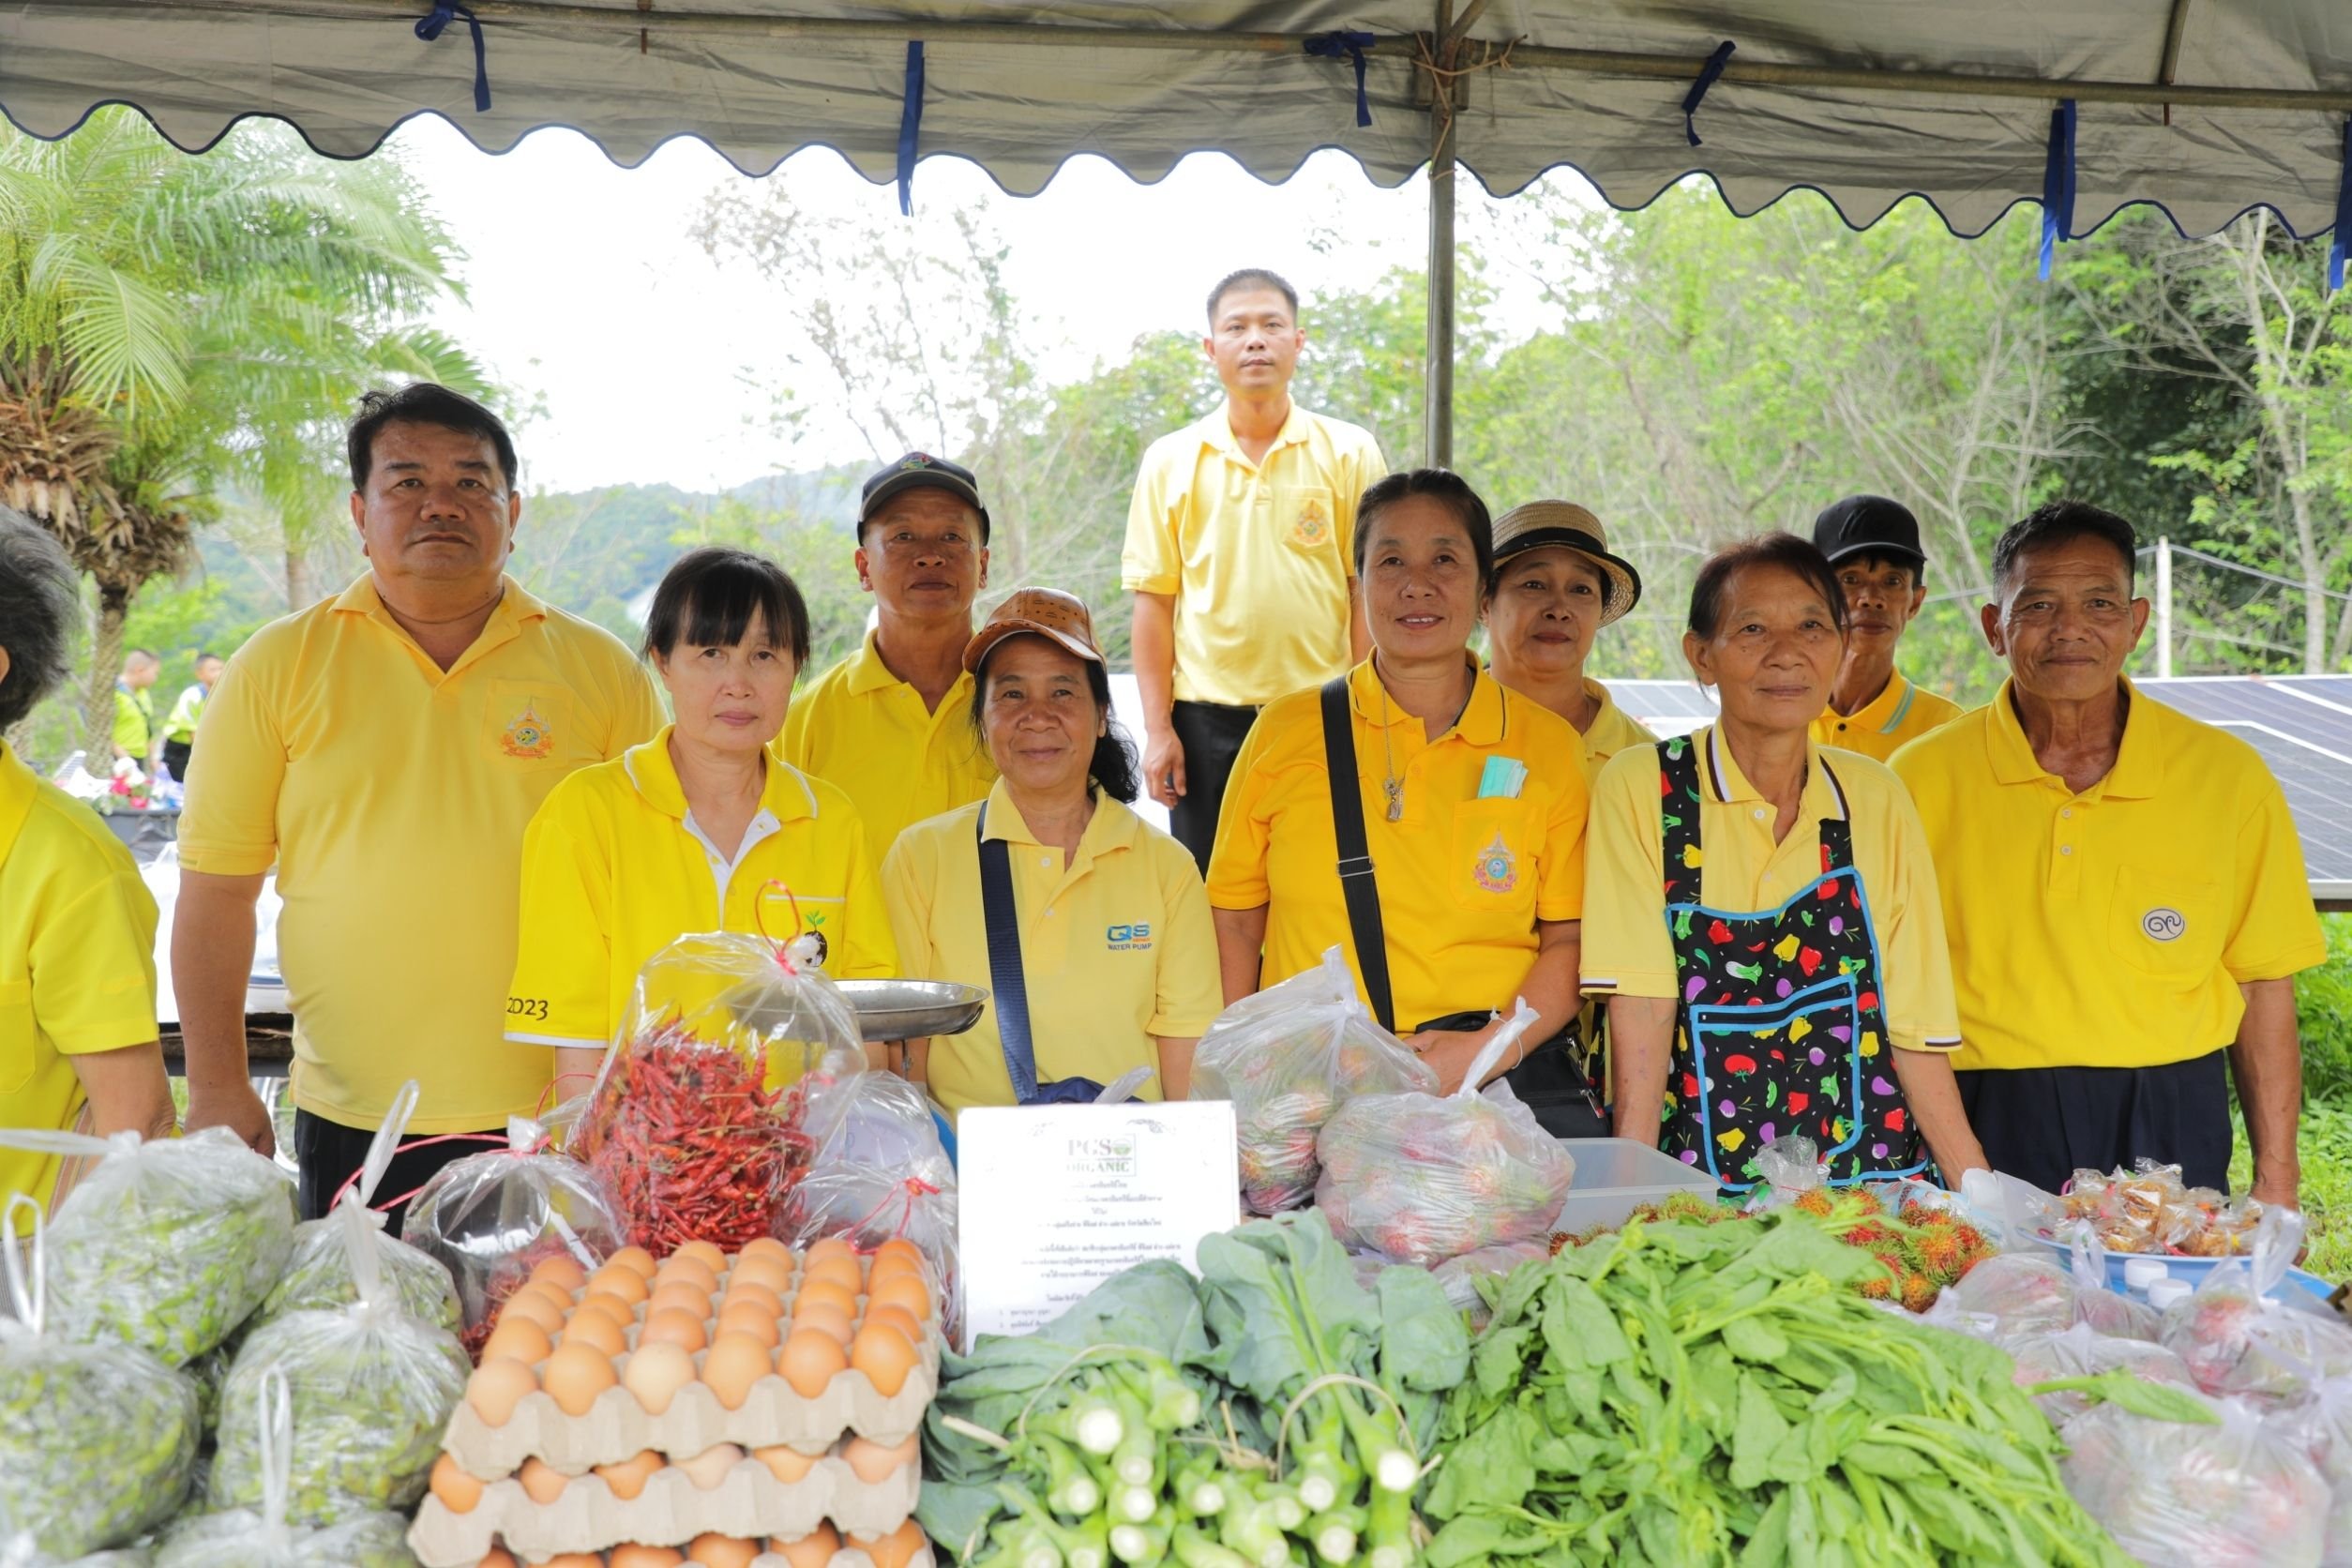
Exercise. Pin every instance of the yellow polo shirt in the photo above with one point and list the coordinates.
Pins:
(77, 960)
(863, 728)
(1462, 879)
(2110, 929)
(614, 869)
(1257, 555)
(1613, 730)
(1116, 948)
(392, 797)
(1888, 722)
(1627, 949)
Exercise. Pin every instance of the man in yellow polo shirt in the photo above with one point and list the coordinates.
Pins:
(2123, 890)
(1238, 545)
(384, 749)
(892, 723)
(1873, 545)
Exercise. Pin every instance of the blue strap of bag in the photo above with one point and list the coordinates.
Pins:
(1006, 976)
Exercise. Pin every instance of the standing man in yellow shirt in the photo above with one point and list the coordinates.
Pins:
(2123, 890)
(1873, 546)
(384, 749)
(892, 723)
(1239, 541)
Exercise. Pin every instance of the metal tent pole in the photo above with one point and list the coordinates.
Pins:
(1445, 43)
(2163, 608)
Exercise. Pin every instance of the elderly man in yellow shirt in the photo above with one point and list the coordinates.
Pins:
(77, 925)
(892, 723)
(386, 749)
(1238, 539)
(1873, 545)
(2124, 887)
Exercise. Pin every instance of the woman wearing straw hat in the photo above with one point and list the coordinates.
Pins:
(1556, 584)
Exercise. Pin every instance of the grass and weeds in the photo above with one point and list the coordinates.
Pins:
(2323, 1004)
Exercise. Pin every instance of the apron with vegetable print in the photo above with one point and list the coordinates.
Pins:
(1778, 1025)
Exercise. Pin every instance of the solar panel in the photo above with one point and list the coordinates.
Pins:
(1667, 707)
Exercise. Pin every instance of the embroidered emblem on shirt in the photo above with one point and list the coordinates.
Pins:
(528, 736)
(2163, 925)
(1496, 868)
(1312, 527)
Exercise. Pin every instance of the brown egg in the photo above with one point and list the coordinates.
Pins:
(620, 1280)
(637, 1261)
(736, 1362)
(521, 1338)
(897, 1318)
(828, 1316)
(843, 1271)
(825, 1247)
(458, 1491)
(814, 1289)
(634, 1555)
(708, 1469)
(542, 1482)
(813, 1550)
(673, 1326)
(764, 1272)
(563, 1268)
(810, 1360)
(497, 1387)
(754, 1292)
(547, 1289)
(890, 1265)
(529, 1306)
(498, 1558)
(749, 1318)
(882, 1354)
(609, 1303)
(689, 1269)
(570, 1560)
(787, 1465)
(905, 1291)
(683, 1294)
(656, 1374)
(722, 1551)
(768, 1246)
(893, 1550)
(628, 1479)
(594, 1328)
(874, 1462)
(706, 1253)
(576, 1374)
(900, 1249)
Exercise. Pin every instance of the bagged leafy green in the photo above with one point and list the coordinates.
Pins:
(96, 1440)
(22, 1553)
(370, 1389)
(267, 1536)
(166, 1246)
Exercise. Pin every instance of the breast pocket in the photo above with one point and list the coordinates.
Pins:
(533, 724)
(1492, 866)
(2165, 925)
(18, 1038)
(1307, 518)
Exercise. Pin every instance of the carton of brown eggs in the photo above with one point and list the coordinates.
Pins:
(824, 1548)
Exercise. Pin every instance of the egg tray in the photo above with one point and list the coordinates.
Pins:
(748, 1503)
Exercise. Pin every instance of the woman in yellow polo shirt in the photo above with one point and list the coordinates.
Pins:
(1556, 585)
(700, 829)
(1087, 925)
(77, 925)
(1465, 802)
(1764, 919)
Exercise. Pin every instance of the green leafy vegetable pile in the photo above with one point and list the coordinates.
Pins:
(243, 1539)
(1685, 1394)
(318, 1279)
(96, 1441)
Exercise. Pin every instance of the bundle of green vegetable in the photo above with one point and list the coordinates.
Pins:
(1277, 1411)
(1684, 1394)
(268, 1536)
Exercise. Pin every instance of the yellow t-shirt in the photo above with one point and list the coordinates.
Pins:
(1117, 948)
(77, 960)
(1258, 556)
(614, 869)
(1462, 879)
(1888, 722)
(393, 797)
(863, 728)
(1613, 730)
(2110, 929)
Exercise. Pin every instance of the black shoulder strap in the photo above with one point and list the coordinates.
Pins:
(1006, 976)
(1356, 882)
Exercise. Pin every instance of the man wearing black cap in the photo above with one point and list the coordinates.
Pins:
(892, 724)
(1873, 546)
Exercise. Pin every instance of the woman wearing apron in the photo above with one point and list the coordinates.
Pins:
(1763, 915)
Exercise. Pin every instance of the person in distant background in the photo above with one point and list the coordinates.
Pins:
(134, 708)
(892, 723)
(1873, 545)
(179, 726)
(77, 925)
(1239, 541)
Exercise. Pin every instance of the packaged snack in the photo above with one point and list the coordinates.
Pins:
(268, 1536)
(1288, 1058)
(2148, 1210)
(369, 1390)
(168, 1246)
(2239, 1342)
(2178, 1495)
(95, 1438)
(1421, 1179)
(2082, 1352)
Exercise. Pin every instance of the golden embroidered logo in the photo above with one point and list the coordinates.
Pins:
(1313, 524)
(1497, 869)
(528, 736)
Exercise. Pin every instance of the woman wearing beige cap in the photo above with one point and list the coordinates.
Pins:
(1088, 927)
(1556, 584)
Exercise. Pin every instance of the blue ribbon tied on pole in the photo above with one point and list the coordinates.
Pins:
(431, 27)
(2058, 185)
(2343, 215)
(1708, 75)
(1333, 45)
(910, 127)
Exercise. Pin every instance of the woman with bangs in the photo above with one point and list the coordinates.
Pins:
(702, 828)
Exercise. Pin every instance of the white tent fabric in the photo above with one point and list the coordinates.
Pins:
(1020, 88)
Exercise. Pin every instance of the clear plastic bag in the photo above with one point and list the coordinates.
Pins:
(168, 1246)
(19, 1552)
(2238, 1341)
(689, 1125)
(2176, 1495)
(96, 1440)
(1421, 1179)
(1459, 1276)
(1288, 1058)
(2082, 1352)
(491, 1218)
(2095, 1303)
(318, 1272)
(370, 1390)
(266, 1536)
(2009, 1293)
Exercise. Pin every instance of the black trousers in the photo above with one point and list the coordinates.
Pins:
(2043, 1124)
(176, 755)
(1211, 735)
(329, 1153)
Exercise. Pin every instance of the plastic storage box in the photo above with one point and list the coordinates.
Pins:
(1616, 1175)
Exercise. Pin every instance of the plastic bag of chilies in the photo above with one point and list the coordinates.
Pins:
(1421, 1179)
(489, 1219)
(2181, 1495)
(95, 1441)
(1288, 1058)
(370, 1387)
(2240, 1342)
(267, 1536)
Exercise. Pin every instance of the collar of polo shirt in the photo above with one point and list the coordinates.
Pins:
(785, 794)
(2138, 772)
